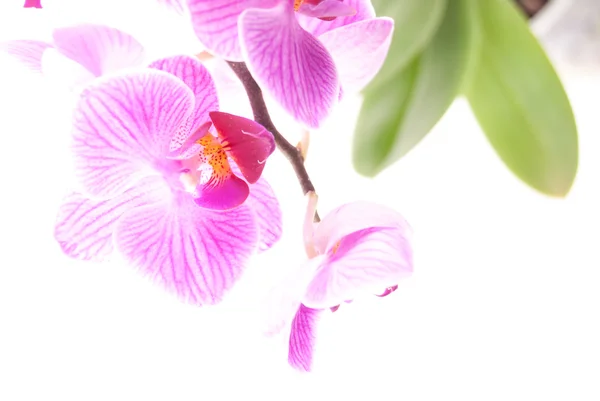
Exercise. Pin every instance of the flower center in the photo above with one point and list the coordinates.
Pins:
(336, 247)
(209, 163)
(297, 4)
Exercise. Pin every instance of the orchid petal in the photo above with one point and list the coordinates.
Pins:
(216, 24)
(352, 217)
(190, 147)
(248, 143)
(349, 44)
(223, 191)
(263, 201)
(302, 338)
(364, 10)
(84, 227)
(326, 9)
(123, 128)
(27, 52)
(196, 76)
(100, 49)
(289, 63)
(196, 253)
(365, 262)
(174, 5)
(283, 301)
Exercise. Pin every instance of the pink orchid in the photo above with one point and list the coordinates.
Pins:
(79, 52)
(302, 53)
(33, 4)
(161, 188)
(358, 248)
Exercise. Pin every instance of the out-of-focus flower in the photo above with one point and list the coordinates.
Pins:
(303, 53)
(32, 4)
(78, 53)
(358, 248)
(160, 188)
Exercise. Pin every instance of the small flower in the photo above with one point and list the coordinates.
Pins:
(301, 52)
(358, 248)
(33, 4)
(161, 188)
(78, 53)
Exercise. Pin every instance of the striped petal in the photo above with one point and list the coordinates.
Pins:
(268, 213)
(196, 253)
(365, 261)
(289, 63)
(27, 52)
(349, 44)
(100, 49)
(216, 24)
(123, 128)
(364, 10)
(302, 338)
(198, 79)
(84, 227)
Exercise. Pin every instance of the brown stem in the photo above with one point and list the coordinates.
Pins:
(261, 116)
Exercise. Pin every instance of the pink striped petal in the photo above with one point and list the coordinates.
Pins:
(247, 142)
(197, 77)
(123, 127)
(364, 10)
(349, 44)
(84, 227)
(100, 49)
(326, 9)
(27, 52)
(222, 192)
(190, 146)
(216, 24)
(268, 213)
(366, 261)
(175, 5)
(302, 338)
(196, 253)
(352, 217)
(289, 63)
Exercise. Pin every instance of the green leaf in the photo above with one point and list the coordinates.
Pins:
(415, 21)
(520, 103)
(396, 116)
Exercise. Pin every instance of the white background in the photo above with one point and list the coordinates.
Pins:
(504, 302)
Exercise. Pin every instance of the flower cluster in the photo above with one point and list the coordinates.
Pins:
(174, 184)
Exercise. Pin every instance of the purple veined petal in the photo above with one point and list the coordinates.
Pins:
(247, 142)
(196, 253)
(27, 52)
(289, 63)
(352, 217)
(364, 10)
(263, 201)
(282, 302)
(326, 9)
(84, 227)
(223, 191)
(216, 24)
(189, 148)
(100, 49)
(365, 262)
(123, 127)
(349, 44)
(196, 76)
(302, 338)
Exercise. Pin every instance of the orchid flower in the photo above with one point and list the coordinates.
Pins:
(78, 53)
(302, 53)
(357, 248)
(158, 186)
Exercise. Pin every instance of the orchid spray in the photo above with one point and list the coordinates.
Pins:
(173, 184)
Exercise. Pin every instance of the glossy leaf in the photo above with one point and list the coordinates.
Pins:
(416, 22)
(396, 116)
(520, 103)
